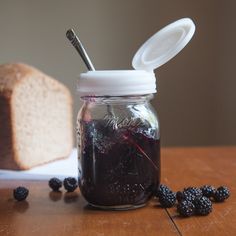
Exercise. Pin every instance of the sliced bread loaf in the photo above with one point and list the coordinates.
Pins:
(35, 118)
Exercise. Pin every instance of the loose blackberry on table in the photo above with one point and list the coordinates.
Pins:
(167, 199)
(20, 193)
(221, 194)
(162, 190)
(55, 184)
(185, 195)
(197, 192)
(186, 208)
(203, 206)
(208, 190)
(70, 184)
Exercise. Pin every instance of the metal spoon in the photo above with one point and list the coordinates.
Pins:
(70, 34)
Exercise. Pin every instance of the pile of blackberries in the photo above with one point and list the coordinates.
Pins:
(192, 200)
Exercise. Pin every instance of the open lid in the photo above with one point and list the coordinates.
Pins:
(164, 45)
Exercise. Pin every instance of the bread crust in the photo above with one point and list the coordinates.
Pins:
(7, 151)
(10, 75)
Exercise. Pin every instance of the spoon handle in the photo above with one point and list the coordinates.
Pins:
(70, 34)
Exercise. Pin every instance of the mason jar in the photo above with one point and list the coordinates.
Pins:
(118, 139)
(118, 131)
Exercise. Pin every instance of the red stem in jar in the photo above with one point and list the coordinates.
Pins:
(140, 150)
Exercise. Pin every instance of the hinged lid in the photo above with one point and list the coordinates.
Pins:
(164, 45)
(156, 51)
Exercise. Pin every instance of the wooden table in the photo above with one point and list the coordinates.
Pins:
(48, 214)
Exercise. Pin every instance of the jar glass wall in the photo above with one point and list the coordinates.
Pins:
(119, 151)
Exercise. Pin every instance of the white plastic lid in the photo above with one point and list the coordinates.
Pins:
(156, 51)
(164, 45)
(116, 83)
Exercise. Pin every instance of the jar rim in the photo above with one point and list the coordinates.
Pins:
(115, 99)
(116, 83)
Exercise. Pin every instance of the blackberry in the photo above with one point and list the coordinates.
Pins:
(188, 196)
(162, 190)
(55, 184)
(221, 194)
(208, 191)
(70, 184)
(203, 206)
(186, 208)
(167, 200)
(20, 193)
(197, 192)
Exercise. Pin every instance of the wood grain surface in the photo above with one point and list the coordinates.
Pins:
(198, 166)
(48, 213)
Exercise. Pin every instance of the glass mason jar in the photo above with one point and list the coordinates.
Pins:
(119, 151)
(117, 128)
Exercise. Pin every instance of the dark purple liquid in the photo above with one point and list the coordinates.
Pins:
(119, 167)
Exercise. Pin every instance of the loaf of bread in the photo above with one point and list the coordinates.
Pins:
(35, 118)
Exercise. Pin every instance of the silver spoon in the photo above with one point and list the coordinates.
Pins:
(70, 34)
